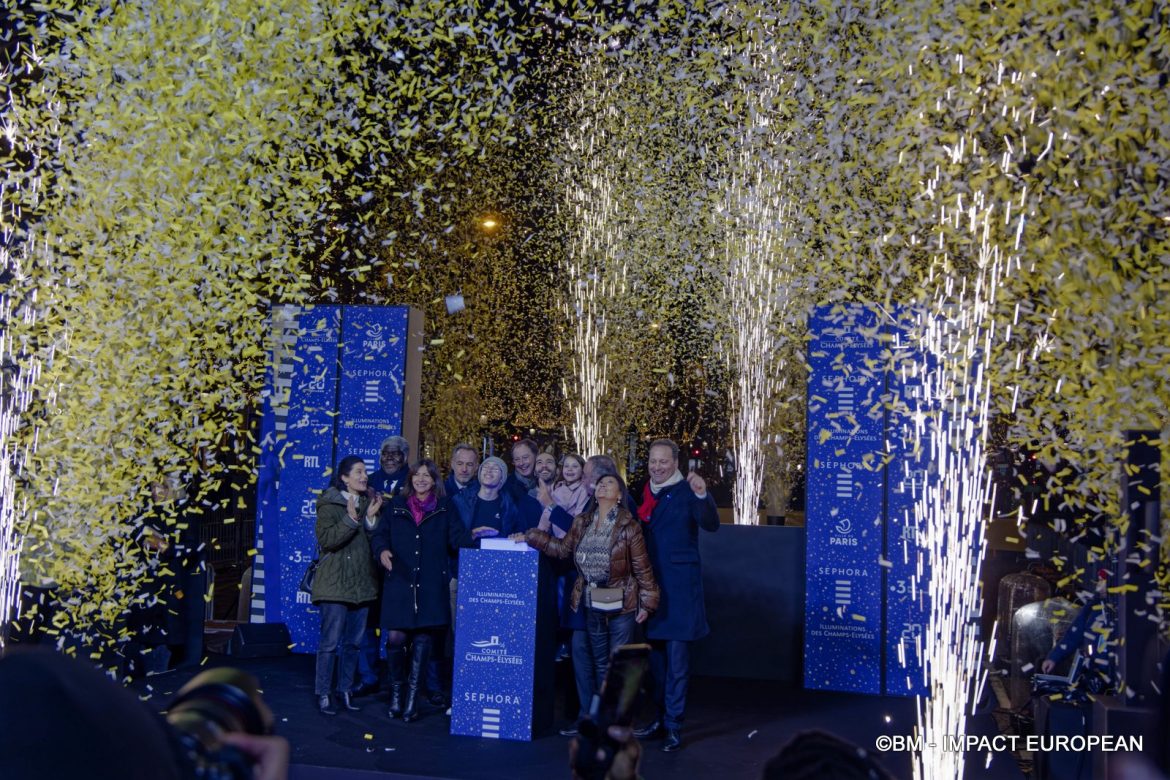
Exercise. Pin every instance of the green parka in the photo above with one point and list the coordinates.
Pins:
(346, 571)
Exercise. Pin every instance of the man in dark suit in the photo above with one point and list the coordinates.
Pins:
(390, 477)
(673, 509)
(464, 466)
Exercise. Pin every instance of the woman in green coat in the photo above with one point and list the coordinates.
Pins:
(345, 581)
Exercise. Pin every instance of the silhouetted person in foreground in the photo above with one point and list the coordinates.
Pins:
(61, 718)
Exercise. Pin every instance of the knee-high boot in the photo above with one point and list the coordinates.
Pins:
(420, 650)
(396, 662)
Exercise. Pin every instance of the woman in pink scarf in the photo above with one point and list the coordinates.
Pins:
(570, 493)
(413, 543)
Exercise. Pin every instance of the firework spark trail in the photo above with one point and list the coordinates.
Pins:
(596, 273)
(950, 515)
(16, 383)
(15, 394)
(758, 281)
(957, 335)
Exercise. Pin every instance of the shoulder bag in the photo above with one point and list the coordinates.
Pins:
(606, 599)
(306, 585)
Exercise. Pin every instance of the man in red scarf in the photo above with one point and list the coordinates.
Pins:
(673, 510)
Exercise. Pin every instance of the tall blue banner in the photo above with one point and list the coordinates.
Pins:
(327, 397)
(305, 457)
(844, 502)
(869, 456)
(502, 683)
(373, 375)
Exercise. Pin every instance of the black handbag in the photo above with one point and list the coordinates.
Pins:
(310, 574)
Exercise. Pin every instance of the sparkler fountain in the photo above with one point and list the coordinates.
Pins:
(757, 284)
(595, 268)
(14, 399)
(957, 334)
(17, 382)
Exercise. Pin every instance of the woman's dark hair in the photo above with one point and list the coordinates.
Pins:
(621, 496)
(602, 464)
(433, 470)
(343, 468)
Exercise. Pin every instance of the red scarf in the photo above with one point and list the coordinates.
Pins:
(418, 509)
(648, 504)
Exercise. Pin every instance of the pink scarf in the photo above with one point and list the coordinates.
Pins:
(571, 498)
(418, 509)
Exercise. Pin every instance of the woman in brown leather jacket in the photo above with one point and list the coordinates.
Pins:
(615, 584)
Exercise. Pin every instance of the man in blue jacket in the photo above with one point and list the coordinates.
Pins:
(673, 510)
(464, 466)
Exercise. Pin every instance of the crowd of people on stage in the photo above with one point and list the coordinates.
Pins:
(387, 579)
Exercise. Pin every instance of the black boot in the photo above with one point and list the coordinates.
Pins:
(325, 705)
(396, 661)
(420, 650)
(653, 730)
(346, 702)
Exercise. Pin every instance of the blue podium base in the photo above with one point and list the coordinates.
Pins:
(504, 645)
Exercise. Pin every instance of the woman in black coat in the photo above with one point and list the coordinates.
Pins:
(413, 543)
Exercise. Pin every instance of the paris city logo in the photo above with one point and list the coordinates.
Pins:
(375, 341)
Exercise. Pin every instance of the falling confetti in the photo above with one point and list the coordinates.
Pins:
(674, 186)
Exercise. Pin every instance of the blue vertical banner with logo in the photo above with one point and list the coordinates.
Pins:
(844, 517)
(502, 688)
(373, 375)
(909, 473)
(304, 452)
(317, 410)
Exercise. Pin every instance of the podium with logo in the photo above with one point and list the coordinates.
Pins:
(504, 643)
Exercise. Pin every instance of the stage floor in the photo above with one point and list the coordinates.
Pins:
(734, 727)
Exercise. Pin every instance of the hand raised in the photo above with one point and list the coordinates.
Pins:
(697, 483)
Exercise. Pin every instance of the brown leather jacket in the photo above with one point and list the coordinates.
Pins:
(629, 564)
